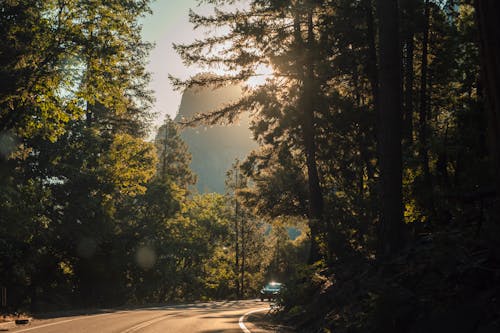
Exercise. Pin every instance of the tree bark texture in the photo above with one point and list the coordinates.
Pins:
(237, 238)
(409, 76)
(487, 13)
(371, 64)
(424, 96)
(391, 232)
(307, 108)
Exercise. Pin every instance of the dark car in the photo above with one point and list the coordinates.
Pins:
(270, 291)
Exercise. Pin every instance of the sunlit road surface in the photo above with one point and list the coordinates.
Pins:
(214, 317)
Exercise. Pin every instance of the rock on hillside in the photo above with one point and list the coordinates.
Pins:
(213, 148)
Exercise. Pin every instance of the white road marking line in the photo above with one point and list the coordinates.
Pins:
(242, 319)
(66, 321)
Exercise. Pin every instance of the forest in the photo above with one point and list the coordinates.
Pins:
(378, 138)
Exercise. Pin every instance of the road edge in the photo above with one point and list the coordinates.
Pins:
(241, 321)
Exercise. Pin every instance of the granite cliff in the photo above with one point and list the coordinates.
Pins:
(213, 147)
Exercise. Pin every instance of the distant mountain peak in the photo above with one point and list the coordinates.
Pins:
(213, 147)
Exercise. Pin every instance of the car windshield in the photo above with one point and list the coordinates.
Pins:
(273, 286)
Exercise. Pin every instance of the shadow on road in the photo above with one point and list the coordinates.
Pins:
(209, 307)
(73, 313)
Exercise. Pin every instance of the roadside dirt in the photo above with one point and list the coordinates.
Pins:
(265, 321)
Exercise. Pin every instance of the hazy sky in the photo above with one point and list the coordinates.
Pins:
(168, 24)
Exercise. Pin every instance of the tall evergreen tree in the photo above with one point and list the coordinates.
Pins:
(490, 55)
(390, 155)
(256, 40)
(174, 158)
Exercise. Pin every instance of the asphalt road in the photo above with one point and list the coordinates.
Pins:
(214, 317)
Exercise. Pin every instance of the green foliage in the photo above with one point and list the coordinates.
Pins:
(92, 215)
(321, 111)
(174, 157)
(93, 55)
(129, 164)
(73, 109)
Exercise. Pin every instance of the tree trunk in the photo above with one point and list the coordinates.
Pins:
(361, 133)
(392, 229)
(237, 238)
(164, 155)
(373, 78)
(307, 108)
(371, 64)
(423, 95)
(489, 44)
(424, 114)
(409, 77)
(243, 257)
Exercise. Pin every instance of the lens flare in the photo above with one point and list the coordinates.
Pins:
(145, 257)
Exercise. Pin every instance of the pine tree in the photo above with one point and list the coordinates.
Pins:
(256, 40)
(174, 156)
